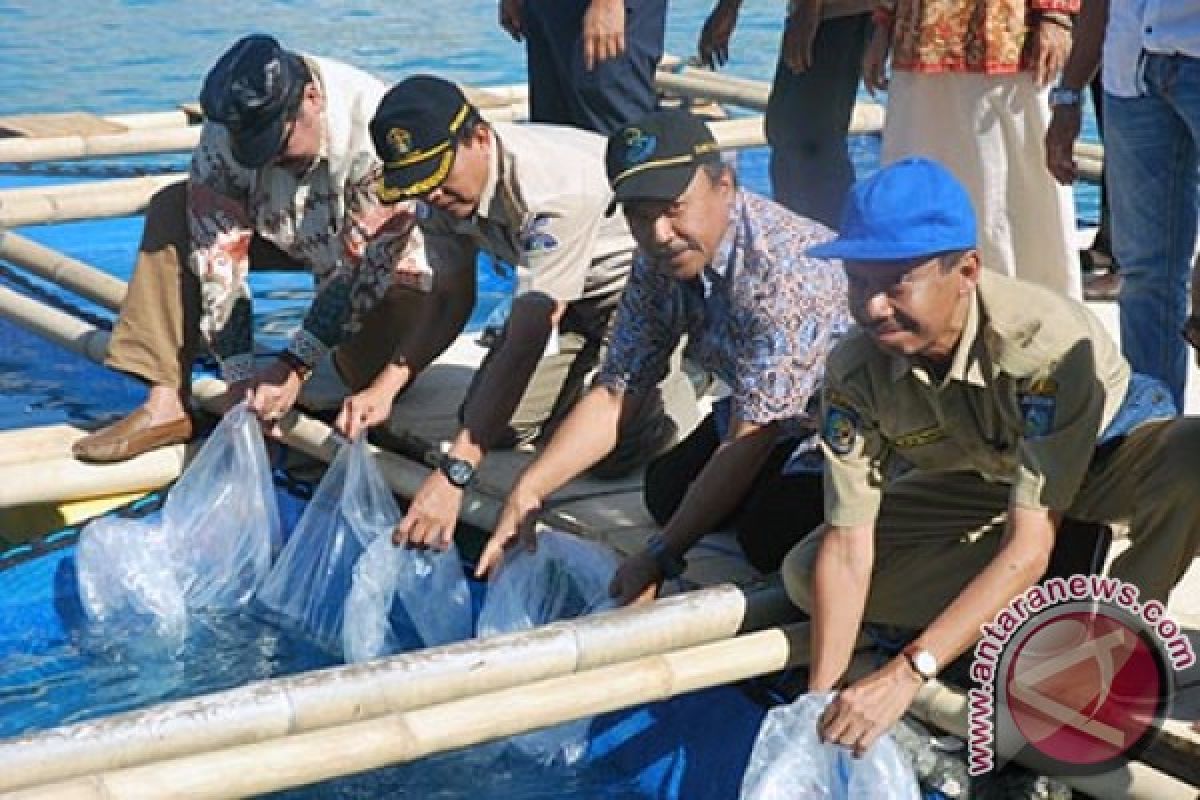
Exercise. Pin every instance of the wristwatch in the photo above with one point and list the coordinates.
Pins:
(669, 564)
(923, 662)
(458, 471)
(1062, 96)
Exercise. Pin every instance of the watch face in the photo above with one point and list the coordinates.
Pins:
(925, 663)
(458, 471)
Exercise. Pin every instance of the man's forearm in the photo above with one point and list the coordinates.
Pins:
(840, 582)
(719, 487)
(1088, 45)
(1021, 560)
(587, 435)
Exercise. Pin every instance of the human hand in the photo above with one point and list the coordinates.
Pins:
(364, 410)
(713, 47)
(857, 716)
(637, 580)
(515, 525)
(875, 76)
(432, 515)
(603, 32)
(272, 394)
(1051, 44)
(511, 19)
(799, 33)
(1060, 143)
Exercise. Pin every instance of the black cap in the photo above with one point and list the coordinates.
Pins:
(414, 132)
(254, 90)
(656, 157)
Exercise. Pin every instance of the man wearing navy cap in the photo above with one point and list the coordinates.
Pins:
(536, 197)
(964, 418)
(725, 269)
(283, 176)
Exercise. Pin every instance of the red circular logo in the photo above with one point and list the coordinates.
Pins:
(1085, 689)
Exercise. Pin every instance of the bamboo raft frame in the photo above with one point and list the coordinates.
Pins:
(676, 645)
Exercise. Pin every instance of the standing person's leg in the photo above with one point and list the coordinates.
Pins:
(949, 117)
(781, 509)
(156, 336)
(612, 94)
(1041, 211)
(1151, 155)
(808, 114)
(548, 57)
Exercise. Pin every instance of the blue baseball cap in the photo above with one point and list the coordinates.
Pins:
(908, 209)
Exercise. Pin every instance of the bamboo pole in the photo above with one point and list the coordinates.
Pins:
(406, 736)
(946, 708)
(19, 150)
(115, 198)
(83, 279)
(341, 695)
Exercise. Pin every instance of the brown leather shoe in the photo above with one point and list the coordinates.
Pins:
(131, 437)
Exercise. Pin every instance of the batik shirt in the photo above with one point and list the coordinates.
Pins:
(761, 317)
(328, 219)
(986, 36)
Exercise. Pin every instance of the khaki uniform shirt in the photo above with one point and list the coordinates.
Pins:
(543, 210)
(1034, 381)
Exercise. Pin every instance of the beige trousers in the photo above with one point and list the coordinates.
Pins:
(937, 531)
(989, 130)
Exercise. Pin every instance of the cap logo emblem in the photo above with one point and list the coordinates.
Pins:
(400, 140)
(639, 146)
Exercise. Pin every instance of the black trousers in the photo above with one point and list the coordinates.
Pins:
(778, 511)
(613, 94)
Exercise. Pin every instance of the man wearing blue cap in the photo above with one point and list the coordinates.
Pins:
(965, 417)
(283, 177)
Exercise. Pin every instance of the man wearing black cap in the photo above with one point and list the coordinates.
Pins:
(726, 268)
(534, 196)
(283, 176)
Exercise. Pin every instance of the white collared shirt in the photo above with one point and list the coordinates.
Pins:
(1153, 26)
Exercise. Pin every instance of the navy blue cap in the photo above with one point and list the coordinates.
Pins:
(655, 157)
(254, 90)
(414, 131)
(908, 209)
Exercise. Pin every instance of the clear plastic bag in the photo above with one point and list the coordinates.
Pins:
(209, 548)
(565, 577)
(351, 507)
(790, 762)
(402, 599)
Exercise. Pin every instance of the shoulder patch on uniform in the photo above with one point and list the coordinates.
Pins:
(1038, 404)
(840, 428)
(535, 238)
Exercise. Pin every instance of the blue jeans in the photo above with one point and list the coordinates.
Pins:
(1151, 144)
(617, 92)
(808, 114)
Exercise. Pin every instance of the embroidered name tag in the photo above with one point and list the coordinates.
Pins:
(933, 433)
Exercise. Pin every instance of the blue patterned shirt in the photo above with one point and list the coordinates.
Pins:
(761, 317)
